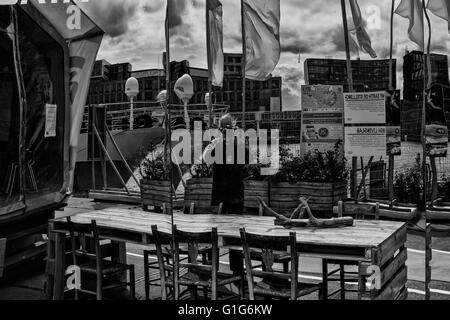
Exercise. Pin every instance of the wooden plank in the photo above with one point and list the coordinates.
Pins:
(391, 268)
(395, 286)
(118, 197)
(386, 251)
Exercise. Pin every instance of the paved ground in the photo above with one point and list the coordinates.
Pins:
(30, 286)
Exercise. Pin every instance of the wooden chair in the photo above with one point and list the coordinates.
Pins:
(154, 278)
(93, 263)
(198, 275)
(2, 255)
(362, 212)
(274, 284)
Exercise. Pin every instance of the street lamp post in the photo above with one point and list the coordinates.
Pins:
(132, 90)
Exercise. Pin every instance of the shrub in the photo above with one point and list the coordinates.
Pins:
(154, 168)
(315, 166)
(408, 184)
(201, 171)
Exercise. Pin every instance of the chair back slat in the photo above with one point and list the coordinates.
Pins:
(267, 246)
(192, 241)
(78, 234)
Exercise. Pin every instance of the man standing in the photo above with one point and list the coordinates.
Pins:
(228, 179)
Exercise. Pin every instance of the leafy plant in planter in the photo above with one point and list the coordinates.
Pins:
(408, 184)
(198, 193)
(322, 176)
(315, 166)
(155, 185)
(154, 169)
(201, 171)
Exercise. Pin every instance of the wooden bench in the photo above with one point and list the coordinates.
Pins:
(375, 210)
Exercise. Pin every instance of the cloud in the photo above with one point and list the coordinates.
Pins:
(113, 16)
(135, 32)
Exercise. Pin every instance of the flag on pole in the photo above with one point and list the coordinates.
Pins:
(262, 37)
(413, 10)
(362, 38)
(441, 9)
(215, 41)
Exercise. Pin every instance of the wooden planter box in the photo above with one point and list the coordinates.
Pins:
(254, 189)
(199, 192)
(284, 196)
(155, 193)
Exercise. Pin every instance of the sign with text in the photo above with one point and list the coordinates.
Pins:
(365, 124)
(50, 120)
(322, 118)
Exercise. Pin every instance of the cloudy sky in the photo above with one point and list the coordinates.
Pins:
(135, 33)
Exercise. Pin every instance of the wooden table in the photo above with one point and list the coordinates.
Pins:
(369, 243)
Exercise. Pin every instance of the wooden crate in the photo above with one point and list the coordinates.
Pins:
(254, 189)
(155, 193)
(199, 192)
(284, 196)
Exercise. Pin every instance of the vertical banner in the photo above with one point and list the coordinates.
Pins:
(322, 118)
(436, 131)
(365, 124)
(393, 132)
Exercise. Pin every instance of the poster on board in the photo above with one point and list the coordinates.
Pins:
(322, 118)
(365, 124)
(50, 120)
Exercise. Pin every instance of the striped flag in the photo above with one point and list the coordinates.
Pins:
(362, 38)
(262, 37)
(413, 10)
(215, 41)
(441, 9)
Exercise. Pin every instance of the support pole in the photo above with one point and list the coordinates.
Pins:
(22, 99)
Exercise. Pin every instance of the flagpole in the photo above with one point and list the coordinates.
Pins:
(427, 85)
(347, 47)
(424, 102)
(354, 182)
(244, 64)
(169, 122)
(391, 87)
(208, 50)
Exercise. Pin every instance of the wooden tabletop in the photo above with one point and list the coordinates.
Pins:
(363, 234)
